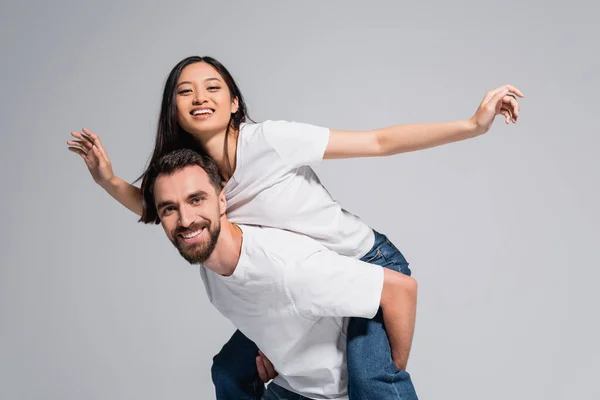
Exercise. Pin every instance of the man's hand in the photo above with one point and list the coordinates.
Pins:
(266, 371)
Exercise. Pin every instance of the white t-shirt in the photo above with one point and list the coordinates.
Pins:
(273, 186)
(288, 295)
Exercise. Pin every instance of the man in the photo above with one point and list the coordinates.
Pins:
(284, 291)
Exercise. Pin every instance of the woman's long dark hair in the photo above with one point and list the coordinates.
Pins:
(171, 136)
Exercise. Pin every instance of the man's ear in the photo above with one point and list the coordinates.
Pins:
(222, 202)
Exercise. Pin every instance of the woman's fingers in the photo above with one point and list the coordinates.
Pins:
(79, 143)
(96, 140)
(510, 89)
(511, 103)
(87, 143)
(79, 151)
(507, 115)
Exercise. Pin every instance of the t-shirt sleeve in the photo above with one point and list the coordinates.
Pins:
(296, 143)
(327, 284)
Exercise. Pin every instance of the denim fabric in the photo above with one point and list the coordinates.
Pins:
(371, 372)
(275, 392)
(234, 371)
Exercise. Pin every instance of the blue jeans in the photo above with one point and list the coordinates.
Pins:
(276, 392)
(371, 372)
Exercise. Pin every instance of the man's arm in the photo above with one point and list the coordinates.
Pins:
(330, 285)
(399, 305)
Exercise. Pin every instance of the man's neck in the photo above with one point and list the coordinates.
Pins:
(225, 256)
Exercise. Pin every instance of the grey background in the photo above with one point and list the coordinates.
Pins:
(499, 230)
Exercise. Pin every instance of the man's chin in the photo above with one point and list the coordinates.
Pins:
(193, 256)
(193, 260)
(200, 250)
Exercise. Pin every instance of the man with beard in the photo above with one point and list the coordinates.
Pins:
(284, 291)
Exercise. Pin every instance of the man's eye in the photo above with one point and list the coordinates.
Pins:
(196, 200)
(167, 210)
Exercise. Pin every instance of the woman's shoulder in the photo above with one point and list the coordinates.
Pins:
(266, 124)
(263, 129)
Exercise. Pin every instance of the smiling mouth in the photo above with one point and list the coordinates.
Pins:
(191, 235)
(203, 111)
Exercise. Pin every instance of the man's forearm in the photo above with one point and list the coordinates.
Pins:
(399, 305)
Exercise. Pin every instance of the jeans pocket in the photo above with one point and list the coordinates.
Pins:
(374, 257)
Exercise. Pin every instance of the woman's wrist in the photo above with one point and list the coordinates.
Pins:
(112, 185)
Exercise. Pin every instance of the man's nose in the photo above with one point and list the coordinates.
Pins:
(186, 217)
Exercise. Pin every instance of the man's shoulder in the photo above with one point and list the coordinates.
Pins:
(280, 243)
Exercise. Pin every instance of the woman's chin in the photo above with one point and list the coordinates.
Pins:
(202, 128)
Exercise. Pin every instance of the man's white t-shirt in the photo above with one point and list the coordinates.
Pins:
(273, 186)
(288, 295)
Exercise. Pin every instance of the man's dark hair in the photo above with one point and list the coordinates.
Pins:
(169, 163)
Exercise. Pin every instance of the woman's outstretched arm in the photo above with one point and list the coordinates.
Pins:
(90, 148)
(404, 138)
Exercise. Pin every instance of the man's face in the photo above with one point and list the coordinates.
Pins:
(190, 212)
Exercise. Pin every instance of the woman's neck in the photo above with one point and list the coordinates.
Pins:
(215, 148)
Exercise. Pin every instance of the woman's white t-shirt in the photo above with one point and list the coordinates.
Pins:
(274, 186)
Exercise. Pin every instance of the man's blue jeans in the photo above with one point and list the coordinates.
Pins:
(371, 372)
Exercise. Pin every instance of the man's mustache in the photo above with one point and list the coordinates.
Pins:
(190, 229)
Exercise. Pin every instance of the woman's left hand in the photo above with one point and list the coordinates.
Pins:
(500, 101)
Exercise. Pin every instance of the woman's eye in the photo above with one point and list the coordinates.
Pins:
(184, 91)
(213, 88)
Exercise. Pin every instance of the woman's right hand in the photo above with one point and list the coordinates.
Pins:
(89, 147)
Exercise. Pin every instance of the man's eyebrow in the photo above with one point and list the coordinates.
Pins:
(163, 204)
(199, 193)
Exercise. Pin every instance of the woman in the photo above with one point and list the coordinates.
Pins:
(268, 182)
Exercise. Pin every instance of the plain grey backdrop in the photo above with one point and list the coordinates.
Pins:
(500, 230)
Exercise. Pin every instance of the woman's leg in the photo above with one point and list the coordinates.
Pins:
(234, 371)
(372, 373)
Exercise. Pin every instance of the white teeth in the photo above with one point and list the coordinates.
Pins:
(203, 111)
(193, 234)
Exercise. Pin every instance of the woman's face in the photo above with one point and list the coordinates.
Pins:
(204, 103)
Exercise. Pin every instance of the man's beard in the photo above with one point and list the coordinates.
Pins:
(197, 253)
